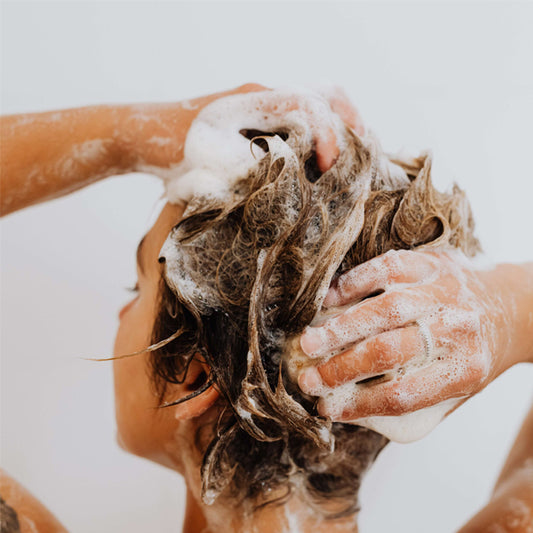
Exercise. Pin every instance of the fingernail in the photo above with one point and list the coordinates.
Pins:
(310, 381)
(330, 299)
(325, 163)
(333, 412)
(311, 341)
(322, 409)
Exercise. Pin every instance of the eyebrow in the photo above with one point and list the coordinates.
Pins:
(140, 257)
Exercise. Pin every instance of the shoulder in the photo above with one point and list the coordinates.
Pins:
(22, 511)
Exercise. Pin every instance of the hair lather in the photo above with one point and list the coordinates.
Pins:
(247, 272)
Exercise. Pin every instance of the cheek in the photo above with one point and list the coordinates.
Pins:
(134, 328)
(134, 399)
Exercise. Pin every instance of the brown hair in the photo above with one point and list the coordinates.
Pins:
(251, 270)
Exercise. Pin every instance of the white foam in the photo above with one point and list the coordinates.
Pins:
(459, 354)
(410, 426)
(403, 428)
(216, 154)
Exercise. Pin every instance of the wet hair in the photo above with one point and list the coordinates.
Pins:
(252, 271)
(9, 522)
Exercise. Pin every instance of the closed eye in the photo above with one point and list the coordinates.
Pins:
(133, 289)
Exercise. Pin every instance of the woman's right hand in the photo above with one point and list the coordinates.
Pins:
(153, 136)
(47, 155)
(477, 322)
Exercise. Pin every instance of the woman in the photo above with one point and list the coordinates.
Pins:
(165, 434)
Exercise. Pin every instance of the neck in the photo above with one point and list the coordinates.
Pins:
(294, 516)
(195, 521)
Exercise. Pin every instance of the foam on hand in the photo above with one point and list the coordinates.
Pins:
(462, 348)
(217, 154)
(403, 428)
(411, 426)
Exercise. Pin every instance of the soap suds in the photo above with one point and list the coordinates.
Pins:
(459, 354)
(216, 154)
(411, 426)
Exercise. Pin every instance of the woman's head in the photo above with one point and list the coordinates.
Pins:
(239, 278)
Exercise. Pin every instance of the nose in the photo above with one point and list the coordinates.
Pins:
(126, 307)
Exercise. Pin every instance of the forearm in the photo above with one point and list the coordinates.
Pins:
(521, 455)
(511, 504)
(512, 287)
(510, 511)
(46, 155)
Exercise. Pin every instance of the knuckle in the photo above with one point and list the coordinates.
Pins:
(395, 403)
(346, 283)
(247, 87)
(388, 302)
(378, 347)
(330, 372)
(479, 369)
(393, 261)
(388, 258)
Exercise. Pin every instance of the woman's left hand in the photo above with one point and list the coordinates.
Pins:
(437, 330)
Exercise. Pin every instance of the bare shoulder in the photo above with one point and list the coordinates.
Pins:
(22, 512)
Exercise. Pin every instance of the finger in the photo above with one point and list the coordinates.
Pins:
(340, 104)
(327, 150)
(395, 266)
(388, 311)
(202, 101)
(403, 395)
(377, 355)
(250, 87)
(317, 115)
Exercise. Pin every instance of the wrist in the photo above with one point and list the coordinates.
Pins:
(510, 289)
(125, 138)
(152, 136)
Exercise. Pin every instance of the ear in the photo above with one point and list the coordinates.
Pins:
(197, 377)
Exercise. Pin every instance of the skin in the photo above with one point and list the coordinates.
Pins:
(32, 514)
(47, 155)
(487, 331)
(503, 298)
(163, 435)
(510, 508)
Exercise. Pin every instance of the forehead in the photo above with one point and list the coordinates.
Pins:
(170, 215)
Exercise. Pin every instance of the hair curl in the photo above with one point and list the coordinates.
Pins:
(251, 270)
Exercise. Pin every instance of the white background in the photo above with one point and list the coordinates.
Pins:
(455, 78)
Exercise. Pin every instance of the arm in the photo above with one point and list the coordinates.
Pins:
(513, 285)
(481, 323)
(31, 514)
(47, 155)
(510, 508)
